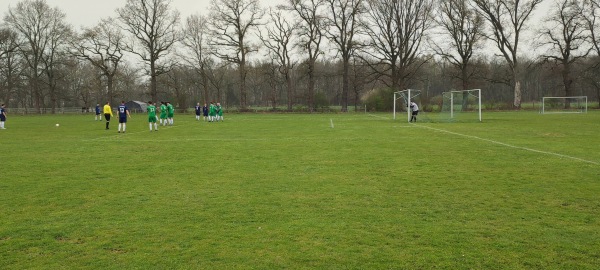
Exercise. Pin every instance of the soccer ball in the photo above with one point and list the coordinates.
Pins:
(57, 125)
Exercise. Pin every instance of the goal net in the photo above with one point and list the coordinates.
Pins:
(564, 104)
(462, 105)
(402, 100)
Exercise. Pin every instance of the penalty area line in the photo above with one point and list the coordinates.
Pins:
(511, 146)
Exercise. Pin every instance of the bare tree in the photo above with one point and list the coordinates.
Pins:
(507, 19)
(278, 40)
(396, 30)
(311, 30)
(9, 64)
(462, 26)
(230, 23)
(55, 57)
(195, 38)
(565, 35)
(591, 13)
(344, 25)
(102, 46)
(83, 82)
(9, 42)
(42, 28)
(153, 26)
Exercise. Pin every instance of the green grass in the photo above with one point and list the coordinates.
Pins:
(279, 191)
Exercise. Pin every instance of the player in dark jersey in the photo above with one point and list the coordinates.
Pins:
(197, 108)
(2, 116)
(98, 116)
(123, 114)
(205, 111)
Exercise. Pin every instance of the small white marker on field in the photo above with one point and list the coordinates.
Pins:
(331, 120)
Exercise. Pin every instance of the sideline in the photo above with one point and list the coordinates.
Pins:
(510, 145)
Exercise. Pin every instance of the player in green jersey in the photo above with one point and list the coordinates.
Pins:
(152, 115)
(219, 110)
(212, 112)
(163, 113)
(170, 112)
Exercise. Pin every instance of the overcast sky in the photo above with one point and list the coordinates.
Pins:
(89, 12)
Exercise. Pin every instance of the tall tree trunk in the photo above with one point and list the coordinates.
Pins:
(346, 69)
(465, 86)
(288, 82)
(242, 74)
(109, 87)
(311, 85)
(153, 82)
(205, 84)
(517, 102)
(567, 82)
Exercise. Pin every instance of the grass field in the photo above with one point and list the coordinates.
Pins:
(327, 191)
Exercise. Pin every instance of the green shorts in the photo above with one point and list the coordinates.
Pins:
(170, 115)
(151, 119)
(163, 116)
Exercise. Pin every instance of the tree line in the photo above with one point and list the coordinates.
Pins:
(300, 55)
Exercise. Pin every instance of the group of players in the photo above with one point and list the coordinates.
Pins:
(211, 113)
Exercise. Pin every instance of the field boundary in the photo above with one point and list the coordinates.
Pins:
(511, 146)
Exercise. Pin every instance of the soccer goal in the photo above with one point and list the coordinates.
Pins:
(406, 96)
(564, 104)
(462, 105)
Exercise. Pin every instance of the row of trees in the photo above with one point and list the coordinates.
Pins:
(306, 53)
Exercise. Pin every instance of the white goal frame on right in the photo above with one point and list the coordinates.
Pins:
(452, 93)
(583, 110)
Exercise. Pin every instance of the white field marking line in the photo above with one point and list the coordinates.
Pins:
(125, 134)
(388, 118)
(382, 117)
(331, 120)
(196, 140)
(511, 146)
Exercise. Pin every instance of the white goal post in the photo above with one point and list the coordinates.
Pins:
(407, 95)
(576, 104)
(457, 99)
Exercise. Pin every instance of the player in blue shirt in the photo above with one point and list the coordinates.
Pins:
(2, 116)
(197, 108)
(123, 114)
(205, 111)
(98, 116)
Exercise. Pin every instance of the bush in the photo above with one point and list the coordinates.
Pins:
(380, 100)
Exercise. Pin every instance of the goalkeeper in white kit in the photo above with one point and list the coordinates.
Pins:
(415, 111)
